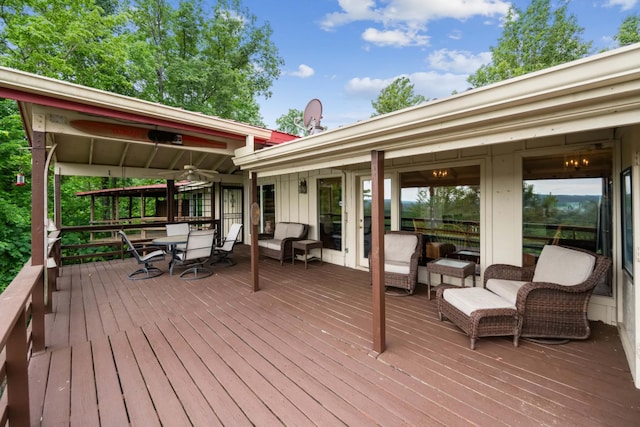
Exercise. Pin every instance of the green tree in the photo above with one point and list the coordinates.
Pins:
(289, 122)
(399, 94)
(217, 66)
(629, 31)
(532, 40)
(15, 201)
(71, 40)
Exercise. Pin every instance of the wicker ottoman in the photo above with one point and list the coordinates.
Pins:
(479, 313)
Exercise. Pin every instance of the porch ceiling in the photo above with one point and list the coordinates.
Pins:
(97, 133)
(599, 92)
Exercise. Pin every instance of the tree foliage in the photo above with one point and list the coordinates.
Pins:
(629, 31)
(215, 66)
(15, 202)
(398, 95)
(532, 40)
(288, 122)
(74, 41)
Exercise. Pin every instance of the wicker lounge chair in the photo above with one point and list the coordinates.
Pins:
(552, 298)
(401, 253)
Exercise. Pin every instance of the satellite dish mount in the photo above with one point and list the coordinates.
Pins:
(312, 116)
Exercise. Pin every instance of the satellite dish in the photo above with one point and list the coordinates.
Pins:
(311, 117)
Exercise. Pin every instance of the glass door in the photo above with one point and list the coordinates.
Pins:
(231, 209)
(364, 216)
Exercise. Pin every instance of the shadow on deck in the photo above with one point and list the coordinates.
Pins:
(210, 352)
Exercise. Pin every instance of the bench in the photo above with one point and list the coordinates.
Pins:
(279, 245)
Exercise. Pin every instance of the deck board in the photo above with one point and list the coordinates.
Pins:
(111, 406)
(84, 411)
(166, 351)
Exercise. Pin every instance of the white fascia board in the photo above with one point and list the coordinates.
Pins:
(522, 102)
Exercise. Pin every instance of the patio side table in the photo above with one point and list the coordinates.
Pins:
(306, 246)
(450, 267)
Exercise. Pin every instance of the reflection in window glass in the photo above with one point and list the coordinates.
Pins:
(330, 212)
(367, 189)
(627, 223)
(444, 206)
(267, 203)
(568, 203)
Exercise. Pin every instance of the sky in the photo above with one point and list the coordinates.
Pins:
(344, 52)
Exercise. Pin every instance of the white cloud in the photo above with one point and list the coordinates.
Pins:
(431, 84)
(393, 13)
(396, 38)
(457, 61)
(303, 72)
(366, 86)
(455, 35)
(352, 10)
(624, 4)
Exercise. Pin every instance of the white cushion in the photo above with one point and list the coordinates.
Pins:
(271, 244)
(507, 289)
(468, 300)
(397, 267)
(281, 231)
(289, 229)
(563, 266)
(399, 247)
(295, 230)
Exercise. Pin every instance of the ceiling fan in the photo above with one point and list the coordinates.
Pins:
(192, 173)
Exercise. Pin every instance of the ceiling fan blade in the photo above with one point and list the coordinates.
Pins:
(207, 173)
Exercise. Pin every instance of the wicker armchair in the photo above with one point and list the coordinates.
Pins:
(401, 252)
(550, 309)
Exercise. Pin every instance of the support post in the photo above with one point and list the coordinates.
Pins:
(255, 220)
(171, 195)
(39, 242)
(377, 250)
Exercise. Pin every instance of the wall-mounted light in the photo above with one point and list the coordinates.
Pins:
(302, 187)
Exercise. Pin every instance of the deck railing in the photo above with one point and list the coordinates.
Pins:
(21, 334)
(100, 242)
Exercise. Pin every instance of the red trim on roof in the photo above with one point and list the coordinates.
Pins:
(92, 109)
(278, 137)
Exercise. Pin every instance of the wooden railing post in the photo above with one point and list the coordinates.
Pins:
(37, 314)
(18, 374)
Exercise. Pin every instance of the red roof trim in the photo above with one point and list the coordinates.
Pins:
(278, 137)
(92, 109)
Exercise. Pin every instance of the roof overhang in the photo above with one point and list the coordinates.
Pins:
(114, 134)
(602, 91)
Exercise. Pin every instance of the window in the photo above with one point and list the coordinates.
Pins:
(267, 202)
(330, 212)
(567, 201)
(627, 223)
(444, 205)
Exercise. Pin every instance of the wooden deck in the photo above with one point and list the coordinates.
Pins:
(210, 352)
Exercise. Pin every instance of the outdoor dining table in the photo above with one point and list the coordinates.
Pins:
(172, 243)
